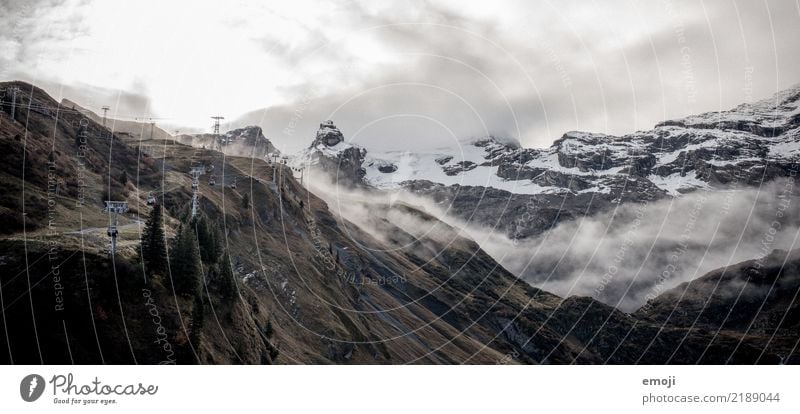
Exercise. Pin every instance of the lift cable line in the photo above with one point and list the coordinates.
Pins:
(114, 208)
(195, 172)
(65, 108)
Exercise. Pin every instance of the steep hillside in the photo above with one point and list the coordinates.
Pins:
(59, 163)
(757, 298)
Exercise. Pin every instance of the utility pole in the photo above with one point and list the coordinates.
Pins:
(196, 172)
(105, 110)
(114, 208)
(274, 166)
(216, 119)
(14, 91)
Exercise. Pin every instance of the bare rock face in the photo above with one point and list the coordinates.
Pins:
(388, 168)
(459, 167)
(251, 136)
(330, 153)
(249, 140)
(444, 160)
(328, 135)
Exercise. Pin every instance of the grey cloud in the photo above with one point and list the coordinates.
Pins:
(535, 72)
(31, 26)
(554, 80)
(124, 104)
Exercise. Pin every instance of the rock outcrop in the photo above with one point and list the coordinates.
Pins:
(330, 153)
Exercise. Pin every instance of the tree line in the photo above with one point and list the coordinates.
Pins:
(180, 263)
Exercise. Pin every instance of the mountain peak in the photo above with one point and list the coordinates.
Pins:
(330, 153)
(328, 135)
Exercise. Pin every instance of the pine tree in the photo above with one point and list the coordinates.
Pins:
(154, 249)
(225, 277)
(80, 136)
(123, 177)
(198, 318)
(208, 239)
(246, 201)
(185, 262)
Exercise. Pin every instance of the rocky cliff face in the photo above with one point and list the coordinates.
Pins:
(248, 141)
(330, 153)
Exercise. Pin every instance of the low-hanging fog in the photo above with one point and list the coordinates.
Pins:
(621, 257)
(628, 256)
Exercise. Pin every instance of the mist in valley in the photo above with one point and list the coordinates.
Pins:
(622, 257)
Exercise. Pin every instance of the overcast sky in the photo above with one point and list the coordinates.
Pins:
(405, 74)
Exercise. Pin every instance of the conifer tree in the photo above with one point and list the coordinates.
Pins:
(208, 239)
(198, 318)
(154, 249)
(226, 281)
(185, 263)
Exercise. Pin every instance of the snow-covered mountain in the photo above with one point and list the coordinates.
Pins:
(676, 156)
(330, 153)
(492, 181)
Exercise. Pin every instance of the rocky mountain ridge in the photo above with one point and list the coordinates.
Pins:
(247, 141)
(488, 181)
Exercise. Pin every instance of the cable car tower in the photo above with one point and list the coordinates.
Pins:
(14, 90)
(196, 172)
(299, 169)
(274, 166)
(105, 109)
(114, 208)
(216, 119)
